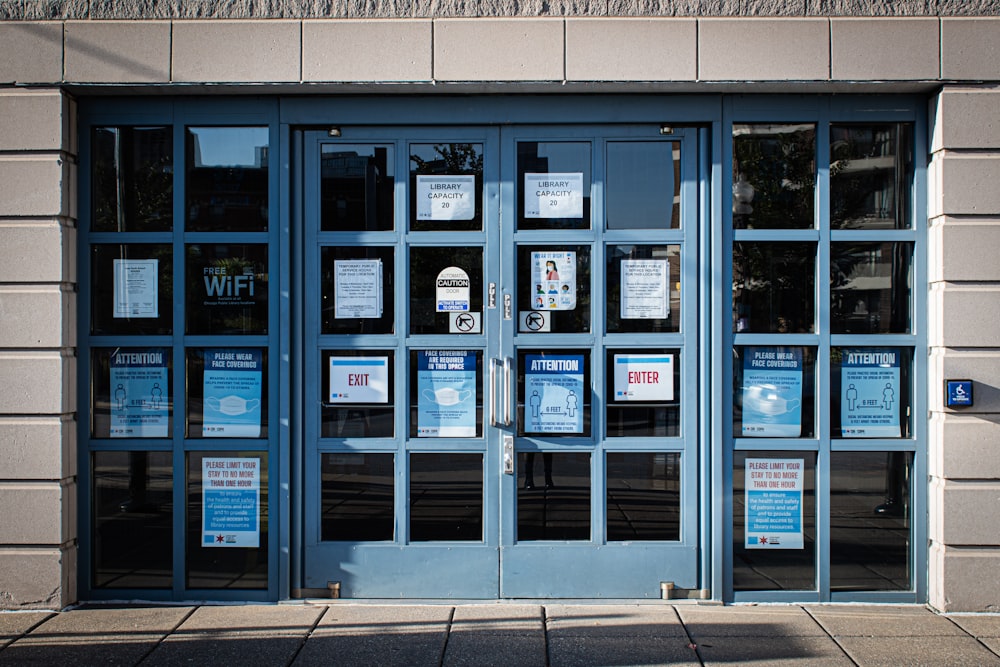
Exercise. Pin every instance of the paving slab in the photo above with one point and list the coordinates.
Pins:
(498, 619)
(883, 621)
(580, 651)
(991, 643)
(13, 624)
(92, 636)
(917, 651)
(486, 649)
(985, 625)
(239, 634)
(620, 621)
(755, 622)
(363, 619)
(773, 650)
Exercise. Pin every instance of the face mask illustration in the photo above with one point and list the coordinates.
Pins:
(766, 399)
(446, 395)
(232, 405)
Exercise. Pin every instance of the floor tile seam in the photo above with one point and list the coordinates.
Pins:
(691, 643)
(163, 638)
(447, 637)
(307, 636)
(978, 638)
(24, 633)
(821, 626)
(545, 635)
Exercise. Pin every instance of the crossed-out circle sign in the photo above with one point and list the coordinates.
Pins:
(465, 323)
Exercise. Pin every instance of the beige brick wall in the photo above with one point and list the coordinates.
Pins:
(37, 340)
(964, 465)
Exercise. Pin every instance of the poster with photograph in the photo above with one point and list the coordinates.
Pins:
(869, 393)
(446, 197)
(140, 393)
(553, 280)
(553, 195)
(136, 288)
(357, 288)
(644, 292)
(773, 514)
(446, 394)
(230, 496)
(232, 393)
(772, 392)
(554, 398)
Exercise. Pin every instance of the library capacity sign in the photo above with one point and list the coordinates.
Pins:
(553, 386)
(140, 393)
(230, 495)
(869, 386)
(773, 503)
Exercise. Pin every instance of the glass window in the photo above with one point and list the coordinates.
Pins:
(446, 497)
(775, 392)
(131, 392)
(132, 519)
(358, 290)
(132, 179)
(871, 176)
(553, 496)
(227, 179)
(227, 288)
(643, 185)
(871, 392)
(774, 176)
(553, 289)
(227, 520)
(446, 187)
(444, 283)
(774, 287)
(643, 496)
(131, 289)
(358, 497)
(870, 287)
(227, 393)
(553, 185)
(445, 401)
(358, 388)
(644, 393)
(774, 521)
(356, 187)
(553, 392)
(643, 288)
(870, 520)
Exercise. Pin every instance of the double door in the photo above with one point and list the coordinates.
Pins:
(500, 359)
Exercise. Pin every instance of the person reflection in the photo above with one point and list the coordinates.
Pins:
(529, 470)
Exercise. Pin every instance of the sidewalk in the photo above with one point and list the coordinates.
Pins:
(509, 634)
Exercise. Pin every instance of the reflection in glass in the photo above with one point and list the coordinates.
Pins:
(227, 288)
(362, 419)
(537, 293)
(224, 567)
(350, 303)
(132, 178)
(446, 497)
(431, 308)
(132, 517)
(553, 392)
(112, 286)
(654, 413)
(871, 176)
(647, 266)
(774, 287)
(356, 187)
(227, 183)
(554, 157)
(870, 287)
(644, 490)
(553, 496)
(446, 187)
(870, 527)
(871, 392)
(228, 399)
(131, 392)
(643, 185)
(774, 176)
(774, 392)
(358, 497)
(445, 396)
(770, 568)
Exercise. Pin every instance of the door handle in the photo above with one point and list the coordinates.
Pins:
(508, 417)
(493, 392)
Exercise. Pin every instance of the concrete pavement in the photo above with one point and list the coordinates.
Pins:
(509, 634)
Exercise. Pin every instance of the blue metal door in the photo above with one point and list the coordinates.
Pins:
(500, 359)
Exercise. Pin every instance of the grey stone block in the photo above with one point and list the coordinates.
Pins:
(381, 9)
(705, 8)
(968, 7)
(43, 10)
(31, 52)
(870, 7)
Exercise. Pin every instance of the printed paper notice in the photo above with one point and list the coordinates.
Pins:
(644, 377)
(446, 394)
(232, 393)
(452, 290)
(139, 393)
(644, 289)
(554, 279)
(553, 387)
(359, 380)
(231, 500)
(773, 514)
(358, 288)
(136, 288)
(553, 195)
(772, 392)
(869, 386)
(446, 197)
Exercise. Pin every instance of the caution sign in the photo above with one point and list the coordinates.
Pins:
(452, 290)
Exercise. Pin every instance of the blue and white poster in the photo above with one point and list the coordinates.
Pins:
(553, 387)
(140, 393)
(446, 394)
(869, 393)
(231, 502)
(232, 388)
(772, 392)
(773, 507)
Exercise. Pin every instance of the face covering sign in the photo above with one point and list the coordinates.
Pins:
(232, 387)
(772, 392)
